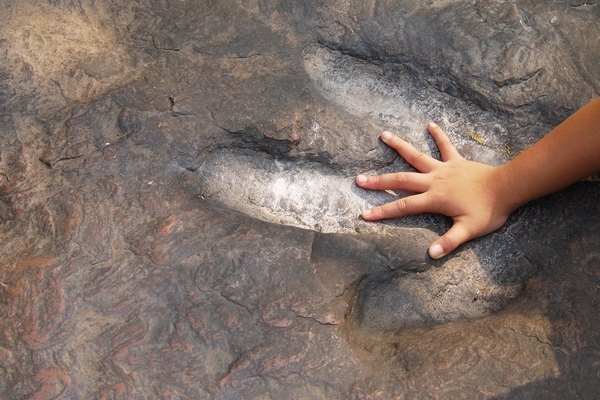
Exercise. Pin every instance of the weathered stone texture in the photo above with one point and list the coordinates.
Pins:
(178, 217)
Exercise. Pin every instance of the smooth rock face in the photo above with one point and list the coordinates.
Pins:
(178, 217)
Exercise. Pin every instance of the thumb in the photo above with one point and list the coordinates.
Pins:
(455, 236)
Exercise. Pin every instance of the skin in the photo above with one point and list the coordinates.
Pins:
(478, 197)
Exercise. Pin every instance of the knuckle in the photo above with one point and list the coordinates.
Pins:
(452, 242)
(439, 208)
(400, 178)
(416, 156)
(457, 237)
(401, 205)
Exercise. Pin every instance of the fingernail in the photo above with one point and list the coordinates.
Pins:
(432, 125)
(366, 213)
(361, 179)
(436, 251)
(386, 135)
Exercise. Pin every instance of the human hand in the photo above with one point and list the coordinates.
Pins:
(467, 191)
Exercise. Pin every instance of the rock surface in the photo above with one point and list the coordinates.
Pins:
(178, 217)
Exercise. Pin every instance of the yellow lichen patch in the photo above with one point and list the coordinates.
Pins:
(476, 137)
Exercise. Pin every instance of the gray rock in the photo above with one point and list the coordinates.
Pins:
(178, 217)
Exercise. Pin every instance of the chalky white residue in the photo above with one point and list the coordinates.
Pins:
(283, 193)
(315, 132)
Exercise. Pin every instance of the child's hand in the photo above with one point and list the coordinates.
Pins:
(465, 190)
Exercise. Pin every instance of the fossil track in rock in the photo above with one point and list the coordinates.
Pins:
(323, 197)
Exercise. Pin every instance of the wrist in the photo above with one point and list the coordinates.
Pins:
(506, 188)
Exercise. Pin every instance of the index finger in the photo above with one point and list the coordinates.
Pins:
(416, 158)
